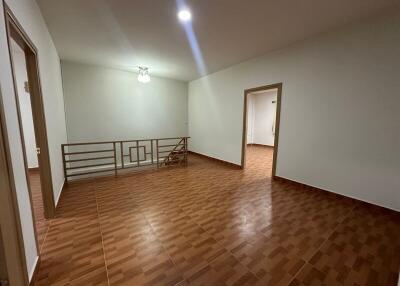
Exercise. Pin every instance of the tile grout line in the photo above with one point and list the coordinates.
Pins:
(166, 251)
(45, 236)
(220, 245)
(102, 245)
(87, 274)
(322, 244)
(160, 241)
(229, 251)
(223, 247)
(41, 247)
(245, 267)
(101, 235)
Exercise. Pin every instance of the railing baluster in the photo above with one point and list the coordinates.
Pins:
(158, 156)
(152, 156)
(64, 163)
(115, 159)
(137, 153)
(186, 152)
(122, 154)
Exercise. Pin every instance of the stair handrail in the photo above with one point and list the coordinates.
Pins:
(113, 156)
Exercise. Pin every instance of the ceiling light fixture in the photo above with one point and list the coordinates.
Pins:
(144, 75)
(184, 15)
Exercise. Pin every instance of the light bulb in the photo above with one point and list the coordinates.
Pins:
(184, 15)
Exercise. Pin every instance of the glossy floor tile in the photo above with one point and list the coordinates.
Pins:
(211, 224)
(41, 223)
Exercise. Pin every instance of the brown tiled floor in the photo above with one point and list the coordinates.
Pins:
(41, 223)
(209, 224)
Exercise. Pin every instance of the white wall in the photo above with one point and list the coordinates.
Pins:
(261, 117)
(25, 105)
(107, 104)
(340, 119)
(29, 16)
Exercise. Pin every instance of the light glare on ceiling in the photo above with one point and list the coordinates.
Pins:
(184, 15)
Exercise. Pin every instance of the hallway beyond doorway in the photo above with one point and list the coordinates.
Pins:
(259, 159)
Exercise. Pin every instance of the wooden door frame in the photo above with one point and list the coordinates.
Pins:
(10, 222)
(277, 86)
(17, 33)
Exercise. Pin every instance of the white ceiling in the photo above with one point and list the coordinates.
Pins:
(127, 33)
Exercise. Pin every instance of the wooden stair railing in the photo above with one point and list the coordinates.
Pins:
(93, 158)
(177, 155)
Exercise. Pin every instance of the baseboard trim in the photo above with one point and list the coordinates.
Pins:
(285, 180)
(260, 145)
(236, 166)
(303, 185)
(35, 272)
(59, 194)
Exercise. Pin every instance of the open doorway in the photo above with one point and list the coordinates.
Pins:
(261, 127)
(23, 56)
(29, 139)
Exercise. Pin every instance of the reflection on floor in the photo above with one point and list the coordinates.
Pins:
(210, 224)
(41, 223)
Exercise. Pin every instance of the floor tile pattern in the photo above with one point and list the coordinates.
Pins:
(211, 224)
(41, 223)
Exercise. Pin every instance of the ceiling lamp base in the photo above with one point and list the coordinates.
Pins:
(144, 76)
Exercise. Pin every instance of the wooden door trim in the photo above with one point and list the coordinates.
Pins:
(277, 86)
(17, 33)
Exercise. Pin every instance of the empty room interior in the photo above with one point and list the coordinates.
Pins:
(198, 143)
